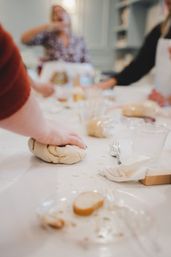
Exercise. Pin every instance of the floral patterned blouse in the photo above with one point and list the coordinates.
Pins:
(55, 49)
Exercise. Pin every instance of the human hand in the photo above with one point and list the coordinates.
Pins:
(106, 84)
(46, 89)
(55, 26)
(30, 121)
(59, 25)
(157, 97)
(55, 134)
(169, 100)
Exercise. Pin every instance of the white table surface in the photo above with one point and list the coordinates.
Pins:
(26, 181)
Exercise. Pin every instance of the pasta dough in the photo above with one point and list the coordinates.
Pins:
(95, 128)
(145, 109)
(68, 154)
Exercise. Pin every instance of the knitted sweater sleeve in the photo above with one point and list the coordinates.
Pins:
(14, 81)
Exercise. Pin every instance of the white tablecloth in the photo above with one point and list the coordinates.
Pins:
(26, 181)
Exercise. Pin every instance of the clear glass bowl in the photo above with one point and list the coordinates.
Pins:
(122, 216)
(149, 139)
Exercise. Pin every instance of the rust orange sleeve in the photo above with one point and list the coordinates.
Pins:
(14, 81)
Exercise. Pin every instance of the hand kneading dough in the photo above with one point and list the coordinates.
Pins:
(68, 154)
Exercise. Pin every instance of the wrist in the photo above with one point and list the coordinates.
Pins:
(35, 86)
(112, 82)
(43, 133)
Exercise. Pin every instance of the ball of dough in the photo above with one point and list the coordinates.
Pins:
(133, 110)
(95, 128)
(68, 154)
(145, 109)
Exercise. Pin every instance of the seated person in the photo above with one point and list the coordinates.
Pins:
(57, 39)
(145, 60)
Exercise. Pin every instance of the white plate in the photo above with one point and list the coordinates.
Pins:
(122, 216)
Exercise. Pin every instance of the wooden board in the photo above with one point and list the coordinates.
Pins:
(156, 179)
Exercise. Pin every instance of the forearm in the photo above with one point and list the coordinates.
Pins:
(19, 111)
(27, 121)
(30, 34)
(134, 72)
(144, 61)
(45, 89)
(34, 85)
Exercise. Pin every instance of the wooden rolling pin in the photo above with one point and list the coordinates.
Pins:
(157, 178)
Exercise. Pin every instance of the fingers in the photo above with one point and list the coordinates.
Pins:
(157, 97)
(75, 140)
(57, 135)
(55, 26)
(68, 139)
(75, 134)
(47, 91)
(99, 85)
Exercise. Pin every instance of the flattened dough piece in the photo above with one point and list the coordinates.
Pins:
(146, 109)
(68, 154)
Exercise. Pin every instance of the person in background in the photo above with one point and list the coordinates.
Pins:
(19, 111)
(146, 60)
(57, 39)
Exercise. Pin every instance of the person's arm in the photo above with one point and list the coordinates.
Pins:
(19, 111)
(159, 98)
(140, 66)
(38, 35)
(29, 35)
(144, 61)
(109, 83)
(29, 121)
(45, 89)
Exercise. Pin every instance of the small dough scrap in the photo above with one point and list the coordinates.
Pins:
(53, 222)
(68, 154)
(95, 128)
